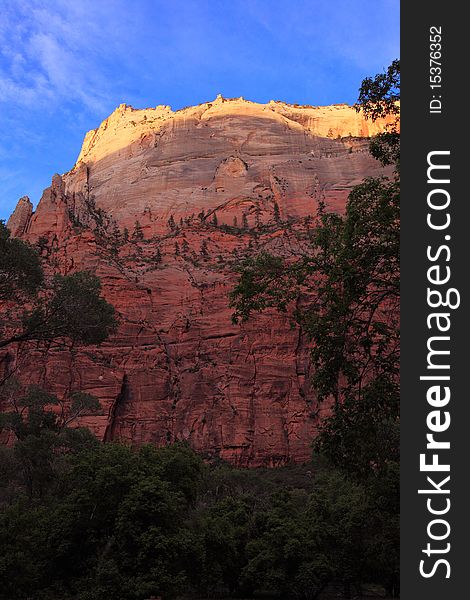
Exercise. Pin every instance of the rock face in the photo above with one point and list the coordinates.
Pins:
(19, 220)
(207, 186)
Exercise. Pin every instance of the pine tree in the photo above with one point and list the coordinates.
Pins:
(125, 235)
(177, 249)
(158, 256)
(115, 239)
(138, 233)
(277, 213)
(171, 223)
(215, 221)
(185, 246)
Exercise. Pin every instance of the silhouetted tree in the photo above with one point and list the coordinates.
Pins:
(115, 239)
(138, 233)
(21, 275)
(171, 223)
(59, 309)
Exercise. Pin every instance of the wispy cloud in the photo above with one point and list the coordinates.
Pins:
(48, 57)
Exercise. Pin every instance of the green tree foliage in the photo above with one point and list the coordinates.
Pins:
(75, 310)
(113, 525)
(354, 322)
(68, 308)
(30, 411)
(226, 528)
(171, 223)
(379, 97)
(48, 309)
(116, 239)
(40, 424)
(20, 269)
(130, 523)
(137, 234)
(306, 541)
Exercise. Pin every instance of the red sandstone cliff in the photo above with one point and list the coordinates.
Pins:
(178, 368)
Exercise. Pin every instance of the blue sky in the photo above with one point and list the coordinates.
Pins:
(66, 64)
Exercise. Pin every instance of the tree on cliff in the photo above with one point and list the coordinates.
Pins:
(38, 308)
(172, 223)
(138, 233)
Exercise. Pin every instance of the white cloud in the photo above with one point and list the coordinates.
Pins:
(49, 55)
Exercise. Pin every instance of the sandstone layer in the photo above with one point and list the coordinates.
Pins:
(207, 186)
